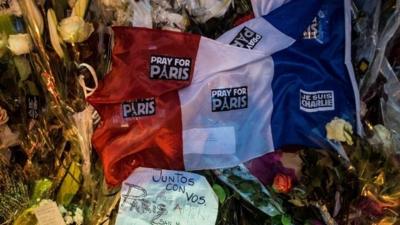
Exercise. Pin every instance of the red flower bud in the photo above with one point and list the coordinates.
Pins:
(282, 183)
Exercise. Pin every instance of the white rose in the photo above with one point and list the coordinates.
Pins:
(204, 10)
(20, 44)
(381, 136)
(78, 217)
(74, 29)
(339, 130)
(68, 220)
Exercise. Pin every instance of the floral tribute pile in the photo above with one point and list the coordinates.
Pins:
(54, 52)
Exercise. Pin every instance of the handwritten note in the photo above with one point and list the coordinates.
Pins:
(166, 197)
(48, 214)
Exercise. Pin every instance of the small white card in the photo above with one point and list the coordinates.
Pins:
(166, 197)
(211, 141)
(48, 214)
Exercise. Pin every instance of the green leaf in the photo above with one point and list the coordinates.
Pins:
(286, 220)
(23, 67)
(6, 24)
(219, 191)
(227, 191)
(41, 189)
(70, 184)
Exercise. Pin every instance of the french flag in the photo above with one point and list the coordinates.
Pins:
(314, 79)
(182, 101)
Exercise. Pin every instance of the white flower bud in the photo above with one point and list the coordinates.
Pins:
(203, 10)
(339, 130)
(68, 220)
(20, 44)
(74, 29)
(382, 136)
(78, 217)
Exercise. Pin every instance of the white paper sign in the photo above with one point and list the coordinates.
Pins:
(49, 214)
(166, 197)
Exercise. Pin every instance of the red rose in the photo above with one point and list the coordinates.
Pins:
(282, 183)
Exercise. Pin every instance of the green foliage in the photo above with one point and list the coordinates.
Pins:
(219, 191)
(41, 190)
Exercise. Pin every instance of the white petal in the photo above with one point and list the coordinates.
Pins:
(54, 37)
(20, 44)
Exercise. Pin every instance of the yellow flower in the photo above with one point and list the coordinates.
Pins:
(339, 130)
(74, 29)
(20, 44)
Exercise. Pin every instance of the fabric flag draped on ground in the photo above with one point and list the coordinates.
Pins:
(181, 101)
(313, 78)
